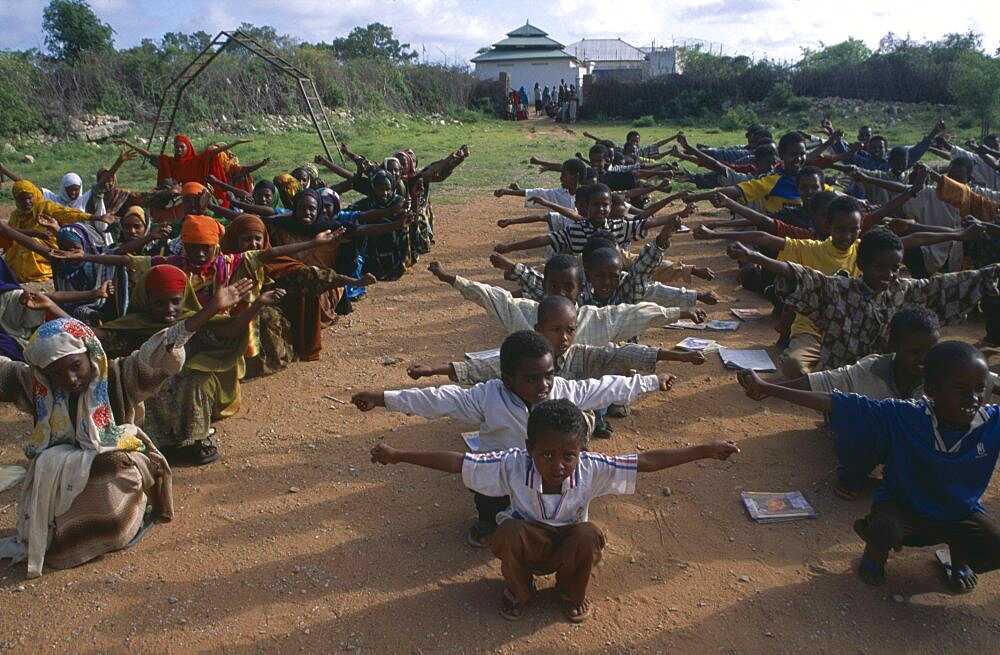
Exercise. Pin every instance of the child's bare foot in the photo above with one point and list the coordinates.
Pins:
(704, 272)
(871, 572)
(961, 578)
(510, 607)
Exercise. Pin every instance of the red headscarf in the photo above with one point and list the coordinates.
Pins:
(191, 167)
(166, 279)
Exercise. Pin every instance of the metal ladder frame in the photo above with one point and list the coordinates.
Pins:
(174, 91)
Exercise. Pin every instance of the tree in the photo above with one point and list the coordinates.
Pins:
(849, 52)
(373, 41)
(976, 86)
(71, 29)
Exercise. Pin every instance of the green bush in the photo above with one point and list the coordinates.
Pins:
(644, 121)
(738, 117)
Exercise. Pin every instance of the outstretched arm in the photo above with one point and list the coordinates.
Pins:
(139, 149)
(546, 165)
(754, 238)
(22, 239)
(527, 244)
(439, 460)
(110, 260)
(228, 146)
(417, 371)
(535, 218)
(757, 389)
(323, 238)
(741, 253)
(761, 221)
(662, 458)
(559, 209)
(333, 166)
(732, 191)
(971, 232)
(9, 173)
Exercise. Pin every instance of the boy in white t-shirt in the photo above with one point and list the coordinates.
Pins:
(550, 483)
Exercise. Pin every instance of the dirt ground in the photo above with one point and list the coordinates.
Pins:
(294, 541)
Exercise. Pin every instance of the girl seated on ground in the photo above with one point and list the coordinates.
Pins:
(90, 479)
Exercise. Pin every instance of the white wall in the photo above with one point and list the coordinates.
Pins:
(546, 72)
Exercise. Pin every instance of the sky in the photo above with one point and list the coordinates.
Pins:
(451, 31)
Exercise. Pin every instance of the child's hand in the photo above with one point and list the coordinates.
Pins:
(689, 209)
(161, 231)
(329, 236)
(666, 381)
(367, 280)
(66, 255)
(48, 222)
(37, 301)
(899, 226)
(367, 400)
(974, 229)
(498, 193)
(503, 222)
(696, 315)
(271, 298)
(752, 384)
(501, 248)
(719, 200)
(695, 357)
(417, 371)
(739, 252)
(437, 270)
(319, 159)
(708, 297)
(721, 449)
(703, 232)
(229, 296)
(106, 289)
(383, 454)
(503, 263)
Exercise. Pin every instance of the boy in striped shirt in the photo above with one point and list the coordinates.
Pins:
(551, 482)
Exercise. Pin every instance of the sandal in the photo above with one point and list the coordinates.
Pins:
(201, 453)
(479, 533)
(510, 607)
(577, 612)
(871, 572)
(960, 580)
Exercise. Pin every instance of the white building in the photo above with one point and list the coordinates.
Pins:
(608, 55)
(529, 56)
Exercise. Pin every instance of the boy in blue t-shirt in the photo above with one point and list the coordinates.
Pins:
(939, 453)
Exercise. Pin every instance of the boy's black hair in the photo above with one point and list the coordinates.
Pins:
(821, 199)
(963, 161)
(576, 167)
(521, 345)
(631, 133)
(842, 205)
(598, 187)
(788, 140)
(753, 128)
(582, 194)
(945, 356)
(618, 199)
(562, 262)
(599, 149)
(807, 171)
(601, 255)
(875, 242)
(599, 239)
(765, 148)
(879, 137)
(556, 416)
(912, 319)
(549, 305)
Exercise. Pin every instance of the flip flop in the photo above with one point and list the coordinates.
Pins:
(510, 607)
(956, 576)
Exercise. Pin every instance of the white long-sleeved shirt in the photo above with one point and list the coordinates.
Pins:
(502, 415)
(595, 326)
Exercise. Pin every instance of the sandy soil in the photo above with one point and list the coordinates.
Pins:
(294, 541)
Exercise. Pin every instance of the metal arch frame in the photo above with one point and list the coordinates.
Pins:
(174, 92)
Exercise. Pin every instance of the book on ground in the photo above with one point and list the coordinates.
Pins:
(686, 324)
(755, 360)
(694, 343)
(775, 507)
(472, 440)
(723, 325)
(747, 314)
(483, 354)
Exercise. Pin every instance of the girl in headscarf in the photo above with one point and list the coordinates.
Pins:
(29, 266)
(208, 387)
(385, 256)
(288, 187)
(295, 330)
(137, 237)
(92, 471)
(17, 319)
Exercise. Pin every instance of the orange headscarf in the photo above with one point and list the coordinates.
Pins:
(230, 242)
(203, 230)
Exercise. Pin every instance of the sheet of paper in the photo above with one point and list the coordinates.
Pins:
(755, 360)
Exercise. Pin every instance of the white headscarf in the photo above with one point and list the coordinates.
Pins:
(80, 202)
